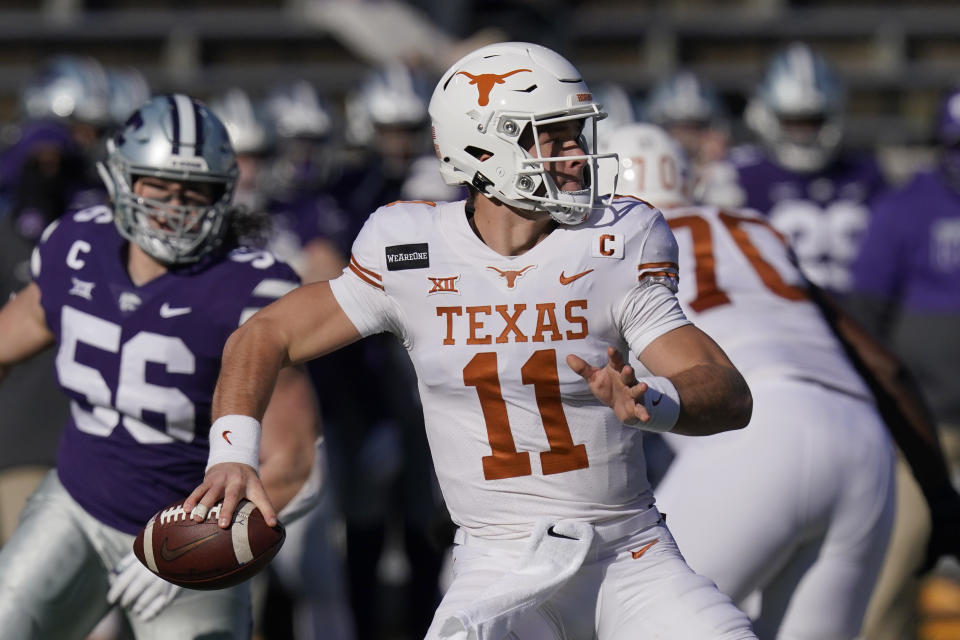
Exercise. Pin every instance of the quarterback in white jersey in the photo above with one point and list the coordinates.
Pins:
(800, 503)
(515, 306)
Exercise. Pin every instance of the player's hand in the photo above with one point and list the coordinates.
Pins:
(615, 385)
(135, 588)
(231, 481)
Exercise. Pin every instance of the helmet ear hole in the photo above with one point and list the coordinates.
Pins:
(525, 140)
(477, 152)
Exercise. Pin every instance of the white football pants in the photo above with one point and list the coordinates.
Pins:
(613, 596)
(799, 505)
(54, 580)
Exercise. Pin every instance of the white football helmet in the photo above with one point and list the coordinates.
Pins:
(128, 90)
(394, 95)
(483, 104)
(684, 98)
(246, 124)
(68, 87)
(172, 137)
(798, 109)
(653, 165)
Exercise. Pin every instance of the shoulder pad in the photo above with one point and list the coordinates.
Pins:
(97, 214)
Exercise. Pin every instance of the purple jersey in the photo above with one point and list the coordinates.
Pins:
(909, 269)
(139, 363)
(822, 213)
(911, 250)
(307, 217)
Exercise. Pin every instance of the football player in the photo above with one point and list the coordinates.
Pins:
(907, 292)
(693, 113)
(514, 306)
(386, 488)
(811, 190)
(139, 299)
(820, 513)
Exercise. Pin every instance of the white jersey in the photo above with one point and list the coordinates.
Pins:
(812, 470)
(515, 434)
(742, 286)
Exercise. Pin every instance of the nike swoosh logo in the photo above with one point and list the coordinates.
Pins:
(657, 401)
(565, 280)
(224, 434)
(552, 533)
(642, 550)
(172, 554)
(166, 311)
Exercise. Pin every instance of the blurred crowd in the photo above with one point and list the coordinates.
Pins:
(370, 562)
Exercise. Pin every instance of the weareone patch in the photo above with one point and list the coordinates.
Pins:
(408, 256)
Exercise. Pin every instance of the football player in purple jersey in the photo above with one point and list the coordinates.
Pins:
(907, 275)
(907, 292)
(139, 300)
(815, 193)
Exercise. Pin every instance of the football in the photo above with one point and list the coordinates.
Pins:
(201, 555)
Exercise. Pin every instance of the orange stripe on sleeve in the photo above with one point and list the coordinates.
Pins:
(371, 273)
(360, 274)
(427, 202)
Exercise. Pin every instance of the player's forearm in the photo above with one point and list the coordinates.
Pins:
(290, 429)
(252, 359)
(899, 401)
(23, 329)
(713, 398)
(284, 475)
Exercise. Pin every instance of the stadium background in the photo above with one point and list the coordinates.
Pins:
(894, 57)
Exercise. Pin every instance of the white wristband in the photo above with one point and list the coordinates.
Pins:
(663, 404)
(235, 438)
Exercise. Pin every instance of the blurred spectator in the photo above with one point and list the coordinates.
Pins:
(813, 191)
(127, 90)
(907, 277)
(379, 455)
(36, 174)
(252, 140)
(73, 90)
(906, 290)
(303, 124)
(303, 593)
(693, 113)
(617, 103)
(44, 172)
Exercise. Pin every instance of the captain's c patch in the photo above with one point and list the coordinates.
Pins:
(607, 245)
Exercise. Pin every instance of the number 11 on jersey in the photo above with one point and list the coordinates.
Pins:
(540, 371)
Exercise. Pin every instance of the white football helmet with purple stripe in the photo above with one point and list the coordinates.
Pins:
(172, 137)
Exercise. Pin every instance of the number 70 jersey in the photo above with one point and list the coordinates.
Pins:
(743, 287)
(515, 434)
